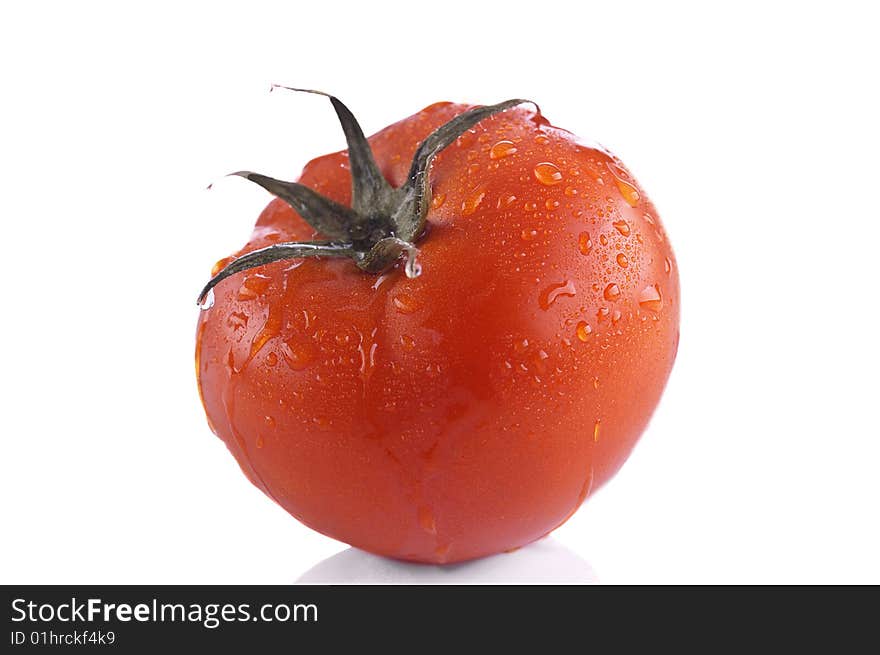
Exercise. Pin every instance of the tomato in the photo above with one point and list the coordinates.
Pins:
(471, 408)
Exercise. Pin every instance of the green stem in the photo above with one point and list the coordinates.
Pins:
(383, 222)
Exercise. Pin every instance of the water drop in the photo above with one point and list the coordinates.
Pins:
(412, 269)
(405, 304)
(270, 422)
(542, 139)
(253, 286)
(380, 280)
(596, 430)
(426, 520)
(407, 342)
(548, 173)
(603, 239)
(260, 442)
(271, 359)
(220, 265)
(650, 298)
(298, 355)
(473, 200)
(551, 293)
(551, 204)
(629, 193)
(237, 320)
(622, 227)
(667, 265)
(207, 301)
(602, 314)
(583, 331)
(539, 360)
(271, 328)
(528, 235)
(437, 200)
(530, 206)
(571, 191)
(612, 292)
(585, 244)
(502, 149)
(622, 260)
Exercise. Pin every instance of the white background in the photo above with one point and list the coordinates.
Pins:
(753, 128)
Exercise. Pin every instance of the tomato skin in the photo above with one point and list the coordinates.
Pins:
(472, 409)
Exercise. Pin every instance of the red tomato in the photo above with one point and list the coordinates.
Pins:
(471, 409)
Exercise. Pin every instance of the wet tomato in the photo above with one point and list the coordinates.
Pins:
(464, 398)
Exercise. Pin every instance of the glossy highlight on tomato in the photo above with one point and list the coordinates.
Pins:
(472, 408)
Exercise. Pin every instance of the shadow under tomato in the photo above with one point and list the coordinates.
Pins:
(543, 562)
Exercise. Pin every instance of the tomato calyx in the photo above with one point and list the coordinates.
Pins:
(383, 222)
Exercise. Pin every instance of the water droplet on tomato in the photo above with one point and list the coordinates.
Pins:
(208, 301)
(441, 552)
(426, 520)
(602, 314)
(220, 265)
(298, 355)
(628, 191)
(542, 139)
(271, 359)
(667, 265)
(502, 149)
(437, 200)
(530, 206)
(472, 201)
(380, 280)
(407, 342)
(237, 320)
(622, 227)
(270, 422)
(253, 286)
(548, 173)
(596, 430)
(650, 298)
(551, 293)
(539, 361)
(603, 239)
(622, 260)
(412, 269)
(260, 442)
(583, 331)
(551, 204)
(405, 303)
(528, 235)
(271, 328)
(585, 244)
(615, 316)
(571, 191)
(612, 292)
